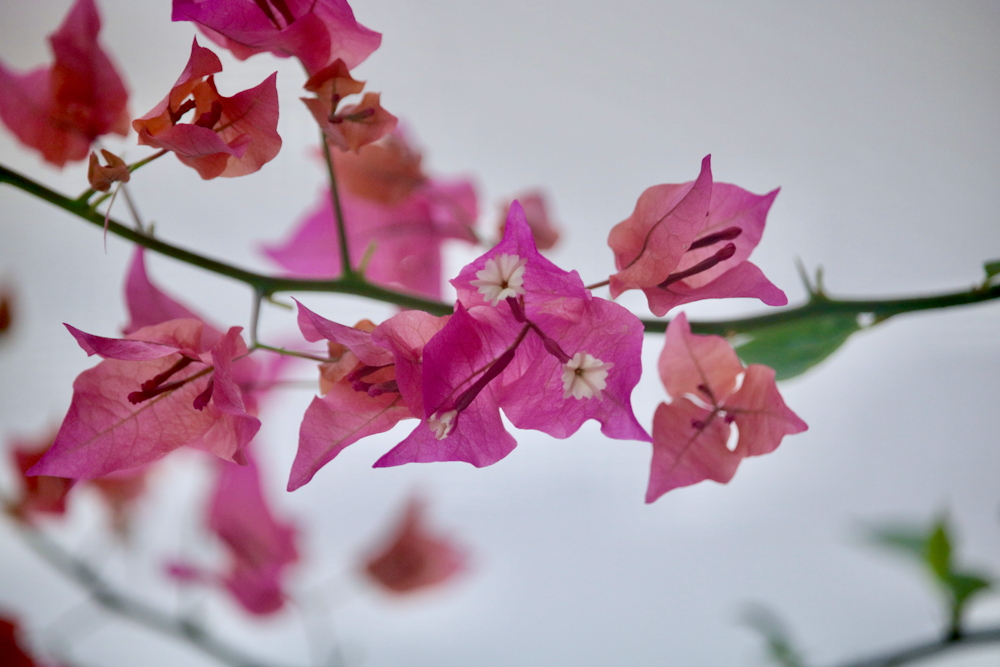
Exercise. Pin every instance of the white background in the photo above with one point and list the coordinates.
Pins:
(879, 120)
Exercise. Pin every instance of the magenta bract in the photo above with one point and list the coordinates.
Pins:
(317, 32)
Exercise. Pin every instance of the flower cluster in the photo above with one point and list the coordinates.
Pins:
(525, 341)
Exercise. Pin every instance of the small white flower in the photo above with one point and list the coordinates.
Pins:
(502, 277)
(585, 376)
(442, 424)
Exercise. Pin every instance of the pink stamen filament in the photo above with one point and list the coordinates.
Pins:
(728, 251)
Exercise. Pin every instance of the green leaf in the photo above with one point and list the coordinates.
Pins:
(907, 540)
(938, 551)
(793, 348)
(992, 268)
(963, 585)
(780, 648)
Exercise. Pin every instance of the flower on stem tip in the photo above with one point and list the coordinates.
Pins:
(317, 32)
(352, 126)
(228, 136)
(691, 434)
(60, 110)
(691, 241)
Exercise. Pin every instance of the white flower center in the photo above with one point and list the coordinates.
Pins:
(442, 424)
(502, 277)
(585, 376)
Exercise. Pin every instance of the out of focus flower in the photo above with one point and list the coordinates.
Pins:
(6, 310)
(12, 654)
(392, 213)
(42, 494)
(227, 136)
(317, 32)
(691, 241)
(536, 212)
(260, 547)
(711, 395)
(414, 558)
(387, 171)
(60, 110)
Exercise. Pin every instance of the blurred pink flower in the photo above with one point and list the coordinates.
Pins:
(414, 559)
(691, 434)
(60, 110)
(260, 548)
(390, 210)
(317, 32)
(536, 212)
(691, 241)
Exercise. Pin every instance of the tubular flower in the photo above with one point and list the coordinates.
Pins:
(60, 110)
(692, 434)
(690, 242)
(536, 212)
(317, 32)
(228, 136)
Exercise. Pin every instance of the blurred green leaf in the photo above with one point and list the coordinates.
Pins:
(933, 547)
(910, 541)
(793, 348)
(938, 551)
(963, 586)
(992, 268)
(780, 648)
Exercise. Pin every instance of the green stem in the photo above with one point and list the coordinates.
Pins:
(345, 254)
(266, 285)
(108, 597)
(930, 649)
(290, 353)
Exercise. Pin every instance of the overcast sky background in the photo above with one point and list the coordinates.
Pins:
(881, 123)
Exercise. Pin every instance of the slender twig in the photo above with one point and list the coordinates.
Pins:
(929, 649)
(347, 269)
(136, 218)
(108, 597)
(818, 304)
(290, 353)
